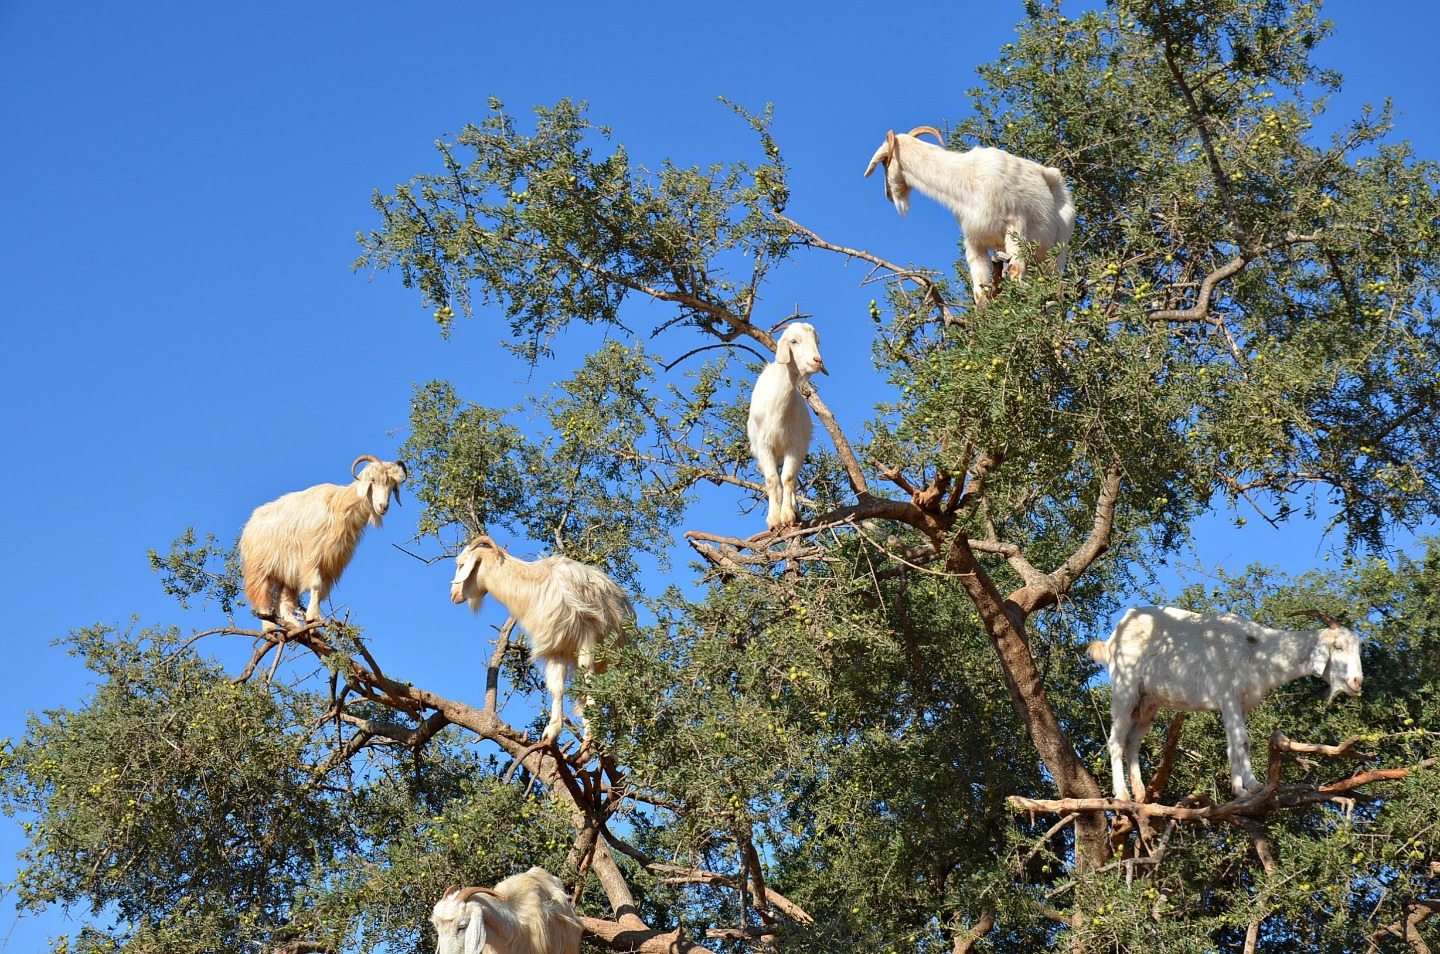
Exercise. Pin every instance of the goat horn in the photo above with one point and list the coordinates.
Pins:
(1325, 618)
(366, 457)
(465, 894)
(928, 129)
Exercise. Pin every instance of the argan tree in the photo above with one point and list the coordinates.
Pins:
(876, 730)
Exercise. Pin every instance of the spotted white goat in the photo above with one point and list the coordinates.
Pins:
(1165, 658)
(999, 200)
(779, 424)
(569, 609)
(305, 540)
(527, 913)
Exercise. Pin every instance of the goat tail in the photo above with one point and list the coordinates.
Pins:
(259, 588)
(1100, 652)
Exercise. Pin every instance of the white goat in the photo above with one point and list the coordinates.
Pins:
(779, 424)
(569, 609)
(999, 200)
(526, 913)
(1165, 658)
(305, 539)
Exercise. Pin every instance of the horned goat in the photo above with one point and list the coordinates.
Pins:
(999, 200)
(1165, 658)
(569, 609)
(779, 425)
(304, 540)
(527, 913)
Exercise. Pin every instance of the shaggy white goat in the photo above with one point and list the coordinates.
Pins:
(526, 913)
(779, 424)
(1165, 658)
(999, 200)
(568, 609)
(305, 539)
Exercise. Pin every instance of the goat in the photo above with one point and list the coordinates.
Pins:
(1174, 659)
(304, 540)
(527, 913)
(568, 608)
(999, 200)
(779, 425)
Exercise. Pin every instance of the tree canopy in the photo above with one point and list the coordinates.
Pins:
(877, 730)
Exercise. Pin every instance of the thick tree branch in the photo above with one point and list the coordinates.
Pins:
(1005, 626)
(1255, 805)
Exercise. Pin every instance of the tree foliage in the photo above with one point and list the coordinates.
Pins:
(825, 739)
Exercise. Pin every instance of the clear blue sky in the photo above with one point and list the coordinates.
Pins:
(184, 338)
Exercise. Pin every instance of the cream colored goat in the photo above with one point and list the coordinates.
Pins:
(1166, 658)
(569, 609)
(999, 200)
(779, 425)
(304, 540)
(527, 913)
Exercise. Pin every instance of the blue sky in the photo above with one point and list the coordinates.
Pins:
(186, 340)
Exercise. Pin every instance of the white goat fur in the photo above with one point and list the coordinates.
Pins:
(999, 200)
(569, 609)
(1165, 658)
(527, 913)
(779, 424)
(305, 540)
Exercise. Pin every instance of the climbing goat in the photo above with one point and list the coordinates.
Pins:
(569, 609)
(1164, 658)
(779, 424)
(527, 913)
(999, 200)
(304, 540)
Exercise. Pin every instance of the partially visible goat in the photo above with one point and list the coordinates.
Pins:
(304, 540)
(1165, 658)
(779, 424)
(999, 200)
(569, 609)
(526, 913)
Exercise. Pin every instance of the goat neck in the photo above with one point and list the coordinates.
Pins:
(1281, 656)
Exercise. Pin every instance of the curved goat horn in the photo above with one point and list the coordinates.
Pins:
(465, 894)
(363, 457)
(1325, 618)
(928, 129)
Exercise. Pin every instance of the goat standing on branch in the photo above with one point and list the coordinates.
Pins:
(304, 540)
(527, 913)
(1165, 658)
(999, 200)
(779, 424)
(569, 609)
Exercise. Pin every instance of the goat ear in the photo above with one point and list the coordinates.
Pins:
(882, 155)
(1320, 656)
(475, 933)
(782, 351)
(465, 563)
